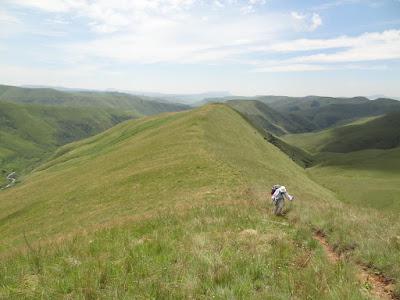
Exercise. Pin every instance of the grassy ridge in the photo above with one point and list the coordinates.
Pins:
(171, 206)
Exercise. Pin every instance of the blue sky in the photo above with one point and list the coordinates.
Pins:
(247, 47)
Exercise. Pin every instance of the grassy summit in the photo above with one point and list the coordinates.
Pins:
(176, 206)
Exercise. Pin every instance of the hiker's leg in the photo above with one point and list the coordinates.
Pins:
(276, 207)
(281, 203)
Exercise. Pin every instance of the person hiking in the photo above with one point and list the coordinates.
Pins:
(278, 195)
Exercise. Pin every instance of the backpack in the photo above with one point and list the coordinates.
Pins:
(274, 188)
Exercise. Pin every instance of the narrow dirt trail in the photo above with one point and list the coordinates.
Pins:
(378, 285)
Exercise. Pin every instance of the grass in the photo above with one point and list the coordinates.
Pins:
(34, 122)
(30, 133)
(263, 116)
(176, 206)
(138, 105)
(381, 132)
(368, 178)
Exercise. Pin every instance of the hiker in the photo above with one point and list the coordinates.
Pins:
(278, 195)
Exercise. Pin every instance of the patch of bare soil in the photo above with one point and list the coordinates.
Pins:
(377, 284)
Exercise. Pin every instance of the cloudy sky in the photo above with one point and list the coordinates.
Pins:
(247, 47)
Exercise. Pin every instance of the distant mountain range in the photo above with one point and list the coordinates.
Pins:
(188, 99)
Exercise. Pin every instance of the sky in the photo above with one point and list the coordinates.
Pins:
(247, 47)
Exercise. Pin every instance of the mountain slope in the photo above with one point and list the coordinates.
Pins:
(113, 100)
(268, 118)
(173, 206)
(30, 133)
(326, 112)
(315, 113)
(358, 161)
(270, 123)
(367, 178)
(35, 121)
(374, 133)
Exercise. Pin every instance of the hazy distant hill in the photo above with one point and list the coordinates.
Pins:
(188, 99)
(314, 113)
(325, 112)
(121, 101)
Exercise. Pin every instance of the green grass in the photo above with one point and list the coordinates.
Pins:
(263, 116)
(176, 206)
(35, 122)
(371, 133)
(369, 178)
(365, 178)
(270, 123)
(138, 105)
(313, 113)
(30, 133)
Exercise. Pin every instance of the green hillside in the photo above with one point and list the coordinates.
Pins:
(315, 113)
(359, 161)
(30, 133)
(375, 133)
(263, 116)
(326, 112)
(176, 206)
(139, 105)
(368, 178)
(35, 121)
(270, 123)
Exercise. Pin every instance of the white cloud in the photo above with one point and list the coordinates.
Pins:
(316, 21)
(9, 24)
(305, 22)
(291, 68)
(338, 3)
(344, 52)
(312, 67)
(197, 31)
(297, 16)
(111, 16)
(367, 47)
(7, 18)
